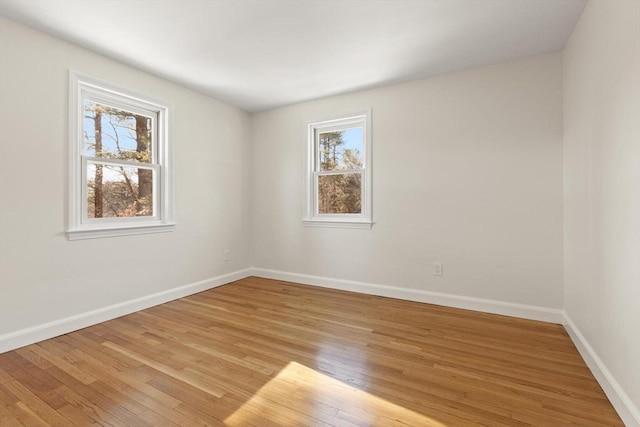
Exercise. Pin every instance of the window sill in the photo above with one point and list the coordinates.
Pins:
(337, 223)
(98, 233)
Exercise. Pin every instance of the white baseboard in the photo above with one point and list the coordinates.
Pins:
(22, 337)
(627, 410)
(469, 303)
(619, 399)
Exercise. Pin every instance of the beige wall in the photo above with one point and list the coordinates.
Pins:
(467, 170)
(43, 276)
(602, 186)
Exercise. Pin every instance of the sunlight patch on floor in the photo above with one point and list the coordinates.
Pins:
(301, 396)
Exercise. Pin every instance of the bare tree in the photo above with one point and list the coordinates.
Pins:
(145, 177)
(98, 181)
(133, 195)
(338, 193)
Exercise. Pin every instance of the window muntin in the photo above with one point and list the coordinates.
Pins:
(120, 179)
(339, 172)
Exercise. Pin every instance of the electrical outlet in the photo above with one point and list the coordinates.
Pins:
(437, 268)
(227, 254)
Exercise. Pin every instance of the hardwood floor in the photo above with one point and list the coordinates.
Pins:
(265, 353)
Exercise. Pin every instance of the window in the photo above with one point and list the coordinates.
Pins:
(120, 176)
(339, 172)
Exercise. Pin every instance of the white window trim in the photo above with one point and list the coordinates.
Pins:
(312, 218)
(163, 219)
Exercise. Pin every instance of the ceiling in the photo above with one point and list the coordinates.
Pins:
(263, 54)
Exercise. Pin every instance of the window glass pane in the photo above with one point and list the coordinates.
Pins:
(119, 191)
(340, 150)
(116, 134)
(339, 194)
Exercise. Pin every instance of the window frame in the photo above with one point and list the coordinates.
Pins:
(80, 226)
(313, 129)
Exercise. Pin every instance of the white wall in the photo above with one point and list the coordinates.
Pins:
(467, 169)
(43, 276)
(602, 186)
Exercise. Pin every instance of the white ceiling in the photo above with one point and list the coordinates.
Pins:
(267, 53)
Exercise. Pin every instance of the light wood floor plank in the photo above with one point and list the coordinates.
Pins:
(266, 353)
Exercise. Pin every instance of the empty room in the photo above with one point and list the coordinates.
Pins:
(319, 213)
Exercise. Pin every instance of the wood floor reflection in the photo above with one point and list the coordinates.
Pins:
(262, 353)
